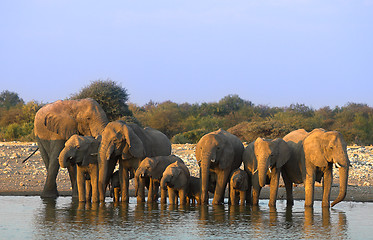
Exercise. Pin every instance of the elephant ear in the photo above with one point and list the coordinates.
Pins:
(62, 124)
(92, 153)
(314, 150)
(249, 158)
(284, 152)
(227, 157)
(136, 146)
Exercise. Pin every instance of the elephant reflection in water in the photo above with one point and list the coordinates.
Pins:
(324, 226)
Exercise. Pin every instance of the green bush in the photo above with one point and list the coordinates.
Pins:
(189, 137)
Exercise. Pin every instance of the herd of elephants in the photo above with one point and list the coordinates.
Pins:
(76, 134)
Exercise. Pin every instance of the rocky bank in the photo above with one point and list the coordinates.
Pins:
(17, 178)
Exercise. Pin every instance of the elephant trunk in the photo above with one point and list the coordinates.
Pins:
(263, 166)
(205, 170)
(103, 157)
(137, 175)
(164, 181)
(343, 179)
(65, 157)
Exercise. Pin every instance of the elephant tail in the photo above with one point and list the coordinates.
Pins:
(30, 155)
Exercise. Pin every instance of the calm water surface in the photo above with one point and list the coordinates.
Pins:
(64, 218)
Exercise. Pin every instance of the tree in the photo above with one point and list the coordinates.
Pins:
(9, 99)
(111, 96)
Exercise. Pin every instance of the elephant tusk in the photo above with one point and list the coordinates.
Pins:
(213, 160)
(94, 154)
(270, 170)
(337, 165)
(255, 171)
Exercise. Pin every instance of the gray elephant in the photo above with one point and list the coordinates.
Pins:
(82, 151)
(114, 186)
(151, 168)
(176, 180)
(194, 193)
(263, 160)
(312, 159)
(129, 144)
(54, 124)
(239, 185)
(218, 153)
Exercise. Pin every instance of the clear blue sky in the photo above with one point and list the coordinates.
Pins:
(271, 52)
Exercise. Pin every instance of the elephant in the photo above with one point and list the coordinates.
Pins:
(194, 193)
(54, 124)
(312, 160)
(239, 185)
(82, 151)
(218, 153)
(152, 168)
(114, 186)
(129, 144)
(176, 179)
(263, 160)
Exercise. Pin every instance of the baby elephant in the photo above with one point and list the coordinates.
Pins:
(151, 170)
(194, 193)
(114, 186)
(239, 184)
(82, 151)
(176, 179)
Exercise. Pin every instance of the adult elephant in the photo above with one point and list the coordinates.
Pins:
(54, 124)
(314, 158)
(129, 144)
(218, 153)
(263, 160)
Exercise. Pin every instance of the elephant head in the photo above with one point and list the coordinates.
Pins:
(79, 150)
(216, 152)
(176, 175)
(240, 180)
(323, 149)
(269, 154)
(144, 170)
(118, 139)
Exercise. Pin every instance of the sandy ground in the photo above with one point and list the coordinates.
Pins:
(27, 179)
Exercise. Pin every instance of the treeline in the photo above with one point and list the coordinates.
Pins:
(187, 123)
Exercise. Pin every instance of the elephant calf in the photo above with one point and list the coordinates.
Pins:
(239, 184)
(194, 193)
(151, 170)
(176, 179)
(114, 186)
(82, 151)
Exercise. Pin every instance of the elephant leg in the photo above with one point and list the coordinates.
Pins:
(124, 182)
(81, 185)
(54, 149)
(289, 189)
(242, 198)
(94, 183)
(274, 187)
(327, 184)
(256, 193)
(106, 169)
(171, 195)
(156, 190)
(232, 197)
(151, 190)
(88, 190)
(221, 184)
(140, 189)
(182, 196)
(163, 196)
(309, 188)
